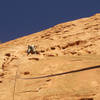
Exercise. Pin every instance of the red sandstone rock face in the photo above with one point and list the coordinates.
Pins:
(65, 68)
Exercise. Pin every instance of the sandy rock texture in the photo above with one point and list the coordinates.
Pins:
(66, 66)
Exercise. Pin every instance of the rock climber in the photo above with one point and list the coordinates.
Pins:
(31, 49)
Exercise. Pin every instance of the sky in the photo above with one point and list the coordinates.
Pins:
(22, 17)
